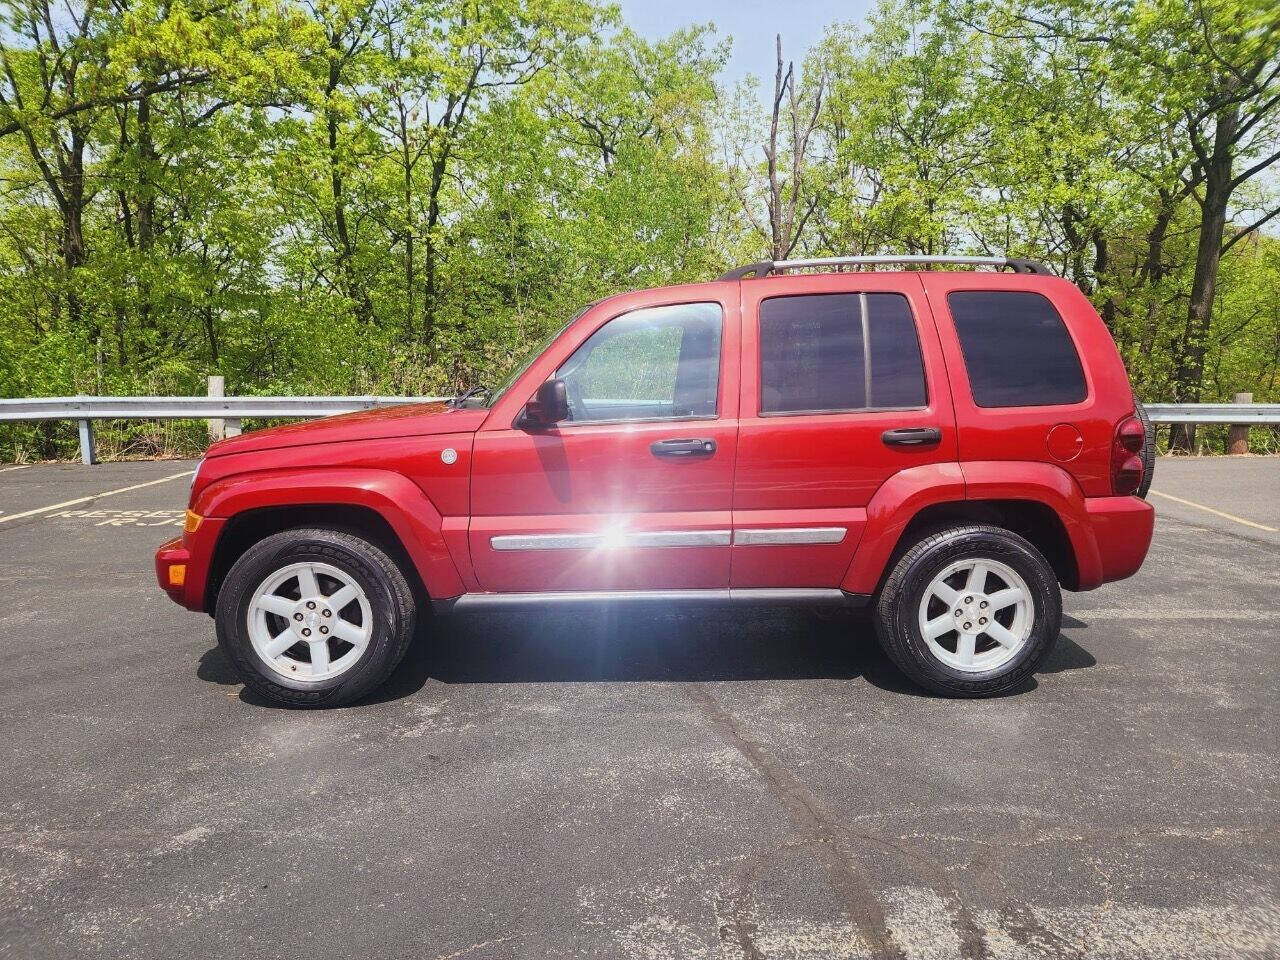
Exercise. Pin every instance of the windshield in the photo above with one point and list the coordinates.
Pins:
(498, 392)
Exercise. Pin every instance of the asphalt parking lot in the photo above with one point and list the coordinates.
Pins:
(726, 784)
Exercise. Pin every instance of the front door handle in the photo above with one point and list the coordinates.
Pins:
(682, 448)
(911, 436)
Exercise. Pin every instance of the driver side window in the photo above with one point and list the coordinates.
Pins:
(657, 363)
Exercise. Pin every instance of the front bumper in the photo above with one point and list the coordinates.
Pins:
(193, 553)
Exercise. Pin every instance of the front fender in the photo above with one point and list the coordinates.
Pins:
(397, 499)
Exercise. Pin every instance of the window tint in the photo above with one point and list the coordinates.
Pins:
(1016, 349)
(820, 352)
(651, 364)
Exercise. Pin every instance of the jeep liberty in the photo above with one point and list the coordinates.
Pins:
(946, 448)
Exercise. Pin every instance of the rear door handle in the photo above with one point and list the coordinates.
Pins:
(911, 436)
(682, 448)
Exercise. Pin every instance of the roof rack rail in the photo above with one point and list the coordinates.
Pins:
(766, 267)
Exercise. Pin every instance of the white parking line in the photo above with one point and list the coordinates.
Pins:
(96, 496)
(21, 466)
(1216, 513)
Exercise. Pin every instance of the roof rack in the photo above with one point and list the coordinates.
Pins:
(766, 267)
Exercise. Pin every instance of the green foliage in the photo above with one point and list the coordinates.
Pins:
(385, 196)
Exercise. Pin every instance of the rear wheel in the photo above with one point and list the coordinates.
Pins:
(315, 617)
(970, 611)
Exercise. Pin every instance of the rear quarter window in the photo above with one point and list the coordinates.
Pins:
(1017, 351)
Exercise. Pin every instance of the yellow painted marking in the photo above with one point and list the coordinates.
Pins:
(95, 496)
(1216, 513)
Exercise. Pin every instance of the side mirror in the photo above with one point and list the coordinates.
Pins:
(549, 405)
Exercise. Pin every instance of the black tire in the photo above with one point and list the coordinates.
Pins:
(1148, 448)
(386, 589)
(898, 609)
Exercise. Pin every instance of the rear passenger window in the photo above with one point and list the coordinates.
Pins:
(839, 352)
(1016, 349)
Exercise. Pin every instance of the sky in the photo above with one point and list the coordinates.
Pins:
(753, 24)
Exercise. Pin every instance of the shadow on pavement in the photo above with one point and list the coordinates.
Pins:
(620, 646)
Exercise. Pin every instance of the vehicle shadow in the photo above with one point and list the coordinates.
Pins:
(617, 645)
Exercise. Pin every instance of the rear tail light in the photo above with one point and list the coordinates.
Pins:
(1126, 457)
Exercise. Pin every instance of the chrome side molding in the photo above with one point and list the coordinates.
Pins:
(788, 535)
(625, 538)
(495, 602)
(668, 538)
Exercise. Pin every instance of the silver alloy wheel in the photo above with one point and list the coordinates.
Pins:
(310, 621)
(976, 614)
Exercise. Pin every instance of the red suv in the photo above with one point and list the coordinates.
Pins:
(946, 448)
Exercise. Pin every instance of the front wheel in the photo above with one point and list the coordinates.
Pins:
(970, 611)
(314, 617)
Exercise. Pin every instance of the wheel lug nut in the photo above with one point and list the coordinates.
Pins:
(311, 604)
(968, 599)
(297, 616)
(967, 626)
(306, 632)
(324, 629)
(959, 613)
(983, 604)
(329, 613)
(982, 619)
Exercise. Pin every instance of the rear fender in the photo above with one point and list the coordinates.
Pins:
(396, 498)
(899, 499)
(905, 494)
(1042, 483)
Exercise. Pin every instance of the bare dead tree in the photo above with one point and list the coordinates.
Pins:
(786, 192)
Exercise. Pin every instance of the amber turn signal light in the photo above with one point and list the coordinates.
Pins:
(191, 523)
(177, 574)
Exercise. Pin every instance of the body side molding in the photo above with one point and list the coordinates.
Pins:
(486, 602)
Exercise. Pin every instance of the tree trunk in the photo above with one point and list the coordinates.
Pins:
(146, 206)
(1189, 371)
(350, 284)
(429, 252)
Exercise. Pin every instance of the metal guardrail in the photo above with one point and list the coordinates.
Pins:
(1251, 413)
(191, 408)
(225, 413)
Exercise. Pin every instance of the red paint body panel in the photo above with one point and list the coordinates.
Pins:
(600, 568)
(795, 565)
(768, 472)
(1044, 483)
(405, 420)
(416, 458)
(1122, 527)
(588, 477)
(396, 498)
(823, 469)
(1022, 433)
(196, 551)
(900, 498)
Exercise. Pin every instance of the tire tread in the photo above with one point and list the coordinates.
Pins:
(896, 644)
(336, 545)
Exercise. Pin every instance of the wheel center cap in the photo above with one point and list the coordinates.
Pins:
(970, 610)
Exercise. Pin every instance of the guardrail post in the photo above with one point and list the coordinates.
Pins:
(1238, 433)
(217, 426)
(87, 453)
(233, 427)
